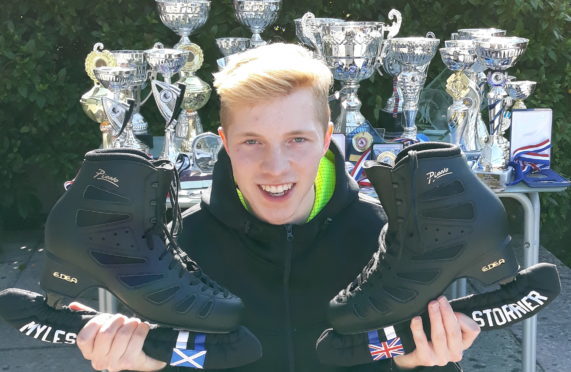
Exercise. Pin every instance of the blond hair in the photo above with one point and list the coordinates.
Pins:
(273, 71)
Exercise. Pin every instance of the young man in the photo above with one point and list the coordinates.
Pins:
(284, 227)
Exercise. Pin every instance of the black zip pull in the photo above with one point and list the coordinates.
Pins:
(289, 232)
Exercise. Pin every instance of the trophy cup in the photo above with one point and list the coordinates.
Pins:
(413, 55)
(459, 59)
(497, 54)
(168, 97)
(229, 46)
(91, 100)
(196, 95)
(351, 50)
(118, 79)
(519, 91)
(300, 32)
(135, 59)
(257, 15)
(183, 17)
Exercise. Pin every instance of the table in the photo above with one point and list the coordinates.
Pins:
(528, 197)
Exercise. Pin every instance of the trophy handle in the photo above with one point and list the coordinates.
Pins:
(308, 29)
(394, 28)
(430, 35)
(158, 45)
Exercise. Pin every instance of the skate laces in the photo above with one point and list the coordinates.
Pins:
(170, 238)
(378, 263)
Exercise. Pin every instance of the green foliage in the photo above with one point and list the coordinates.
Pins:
(43, 45)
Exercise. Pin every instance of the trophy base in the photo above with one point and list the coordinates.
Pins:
(495, 179)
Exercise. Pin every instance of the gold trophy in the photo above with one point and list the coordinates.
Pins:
(91, 100)
(196, 96)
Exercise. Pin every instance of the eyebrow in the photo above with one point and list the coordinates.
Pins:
(292, 133)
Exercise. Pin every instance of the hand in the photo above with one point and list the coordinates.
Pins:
(451, 334)
(115, 342)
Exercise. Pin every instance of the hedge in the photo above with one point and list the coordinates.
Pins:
(43, 44)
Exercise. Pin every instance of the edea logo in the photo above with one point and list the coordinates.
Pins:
(65, 277)
(493, 265)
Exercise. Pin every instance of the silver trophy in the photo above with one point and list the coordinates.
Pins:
(498, 54)
(183, 17)
(351, 50)
(205, 148)
(519, 91)
(168, 97)
(257, 15)
(135, 59)
(118, 79)
(413, 55)
(463, 131)
(316, 25)
(229, 46)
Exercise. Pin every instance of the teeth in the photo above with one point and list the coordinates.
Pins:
(279, 189)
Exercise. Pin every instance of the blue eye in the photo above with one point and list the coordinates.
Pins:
(299, 140)
(250, 142)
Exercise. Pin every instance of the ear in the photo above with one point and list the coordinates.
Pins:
(223, 137)
(327, 139)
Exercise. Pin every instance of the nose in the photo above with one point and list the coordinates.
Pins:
(275, 162)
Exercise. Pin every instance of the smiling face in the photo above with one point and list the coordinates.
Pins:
(275, 148)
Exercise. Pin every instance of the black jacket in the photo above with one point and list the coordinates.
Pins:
(287, 274)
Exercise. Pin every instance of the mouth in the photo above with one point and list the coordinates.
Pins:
(277, 191)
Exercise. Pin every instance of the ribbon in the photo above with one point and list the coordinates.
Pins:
(527, 159)
(357, 172)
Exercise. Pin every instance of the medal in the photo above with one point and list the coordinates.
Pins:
(362, 141)
(387, 157)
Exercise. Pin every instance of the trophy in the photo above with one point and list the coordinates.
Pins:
(118, 79)
(459, 59)
(413, 54)
(91, 100)
(315, 26)
(519, 91)
(205, 149)
(168, 97)
(196, 95)
(229, 46)
(498, 54)
(135, 59)
(257, 15)
(393, 68)
(477, 33)
(351, 51)
(183, 17)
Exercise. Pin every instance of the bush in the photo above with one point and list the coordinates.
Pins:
(43, 45)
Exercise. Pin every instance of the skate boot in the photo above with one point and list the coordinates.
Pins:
(109, 230)
(443, 224)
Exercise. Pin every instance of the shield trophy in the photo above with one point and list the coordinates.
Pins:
(135, 59)
(168, 97)
(257, 15)
(118, 79)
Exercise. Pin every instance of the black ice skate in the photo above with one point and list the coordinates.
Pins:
(109, 230)
(443, 224)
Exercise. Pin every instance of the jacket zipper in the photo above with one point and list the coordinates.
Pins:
(287, 272)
